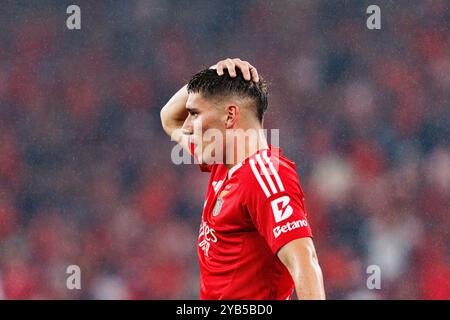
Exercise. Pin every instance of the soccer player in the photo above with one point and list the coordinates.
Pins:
(254, 239)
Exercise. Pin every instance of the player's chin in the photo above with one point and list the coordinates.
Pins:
(206, 158)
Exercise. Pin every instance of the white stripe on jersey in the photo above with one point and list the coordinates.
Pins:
(258, 177)
(264, 167)
(275, 173)
(217, 185)
(266, 174)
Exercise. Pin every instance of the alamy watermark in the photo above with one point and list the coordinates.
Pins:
(214, 146)
(73, 281)
(374, 20)
(374, 279)
(73, 22)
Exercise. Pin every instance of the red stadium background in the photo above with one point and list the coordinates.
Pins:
(85, 172)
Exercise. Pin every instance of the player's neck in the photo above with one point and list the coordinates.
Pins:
(241, 151)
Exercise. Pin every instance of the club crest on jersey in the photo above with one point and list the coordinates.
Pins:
(217, 207)
(219, 203)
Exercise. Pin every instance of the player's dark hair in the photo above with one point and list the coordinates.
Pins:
(211, 85)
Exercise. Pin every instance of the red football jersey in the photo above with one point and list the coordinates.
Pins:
(250, 212)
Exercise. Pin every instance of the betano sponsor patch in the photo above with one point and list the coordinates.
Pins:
(289, 226)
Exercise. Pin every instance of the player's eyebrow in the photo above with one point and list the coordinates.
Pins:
(191, 109)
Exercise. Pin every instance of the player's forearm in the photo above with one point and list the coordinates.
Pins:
(308, 281)
(174, 112)
(300, 258)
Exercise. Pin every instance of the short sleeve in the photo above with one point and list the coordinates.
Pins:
(275, 203)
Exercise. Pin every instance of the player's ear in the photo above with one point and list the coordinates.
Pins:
(232, 112)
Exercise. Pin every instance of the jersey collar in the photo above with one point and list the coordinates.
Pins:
(233, 169)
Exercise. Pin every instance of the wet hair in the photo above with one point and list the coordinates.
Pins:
(208, 83)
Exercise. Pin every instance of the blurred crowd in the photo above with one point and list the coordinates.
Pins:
(85, 172)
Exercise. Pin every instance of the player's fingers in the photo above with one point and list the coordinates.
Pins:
(231, 67)
(219, 68)
(244, 66)
(254, 72)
